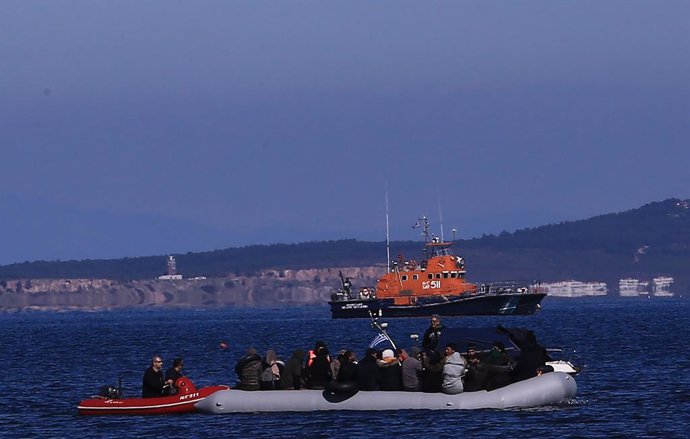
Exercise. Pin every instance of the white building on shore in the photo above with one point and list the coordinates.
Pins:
(661, 286)
(574, 288)
(629, 287)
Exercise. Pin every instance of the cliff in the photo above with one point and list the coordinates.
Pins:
(268, 287)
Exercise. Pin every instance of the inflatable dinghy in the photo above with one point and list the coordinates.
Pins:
(547, 389)
(182, 402)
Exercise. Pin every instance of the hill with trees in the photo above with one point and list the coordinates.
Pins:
(646, 242)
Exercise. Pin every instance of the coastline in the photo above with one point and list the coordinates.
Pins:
(269, 287)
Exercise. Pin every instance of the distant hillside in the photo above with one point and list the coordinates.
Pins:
(645, 242)
(658, 227)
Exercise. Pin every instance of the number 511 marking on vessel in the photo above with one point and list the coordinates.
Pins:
(431, 284)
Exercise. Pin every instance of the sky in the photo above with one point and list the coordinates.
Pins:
(148, 127)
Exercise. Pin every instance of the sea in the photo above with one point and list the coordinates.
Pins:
(634, 352)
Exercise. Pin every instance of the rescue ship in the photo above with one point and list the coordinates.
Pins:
(436, 284)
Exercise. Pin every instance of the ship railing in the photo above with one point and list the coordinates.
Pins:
(351, 294)
(505, 287)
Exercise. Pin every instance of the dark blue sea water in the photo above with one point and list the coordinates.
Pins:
(636, 382)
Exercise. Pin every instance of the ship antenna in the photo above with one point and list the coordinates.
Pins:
(388, 240)
(440, 217)
(425, 232)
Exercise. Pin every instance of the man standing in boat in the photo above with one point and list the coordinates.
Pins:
(433, 334)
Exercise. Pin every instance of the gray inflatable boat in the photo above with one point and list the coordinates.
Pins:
(547, 389)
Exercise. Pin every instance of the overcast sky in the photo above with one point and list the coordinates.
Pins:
(283, 121)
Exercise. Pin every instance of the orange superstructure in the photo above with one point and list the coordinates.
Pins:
(440, 273)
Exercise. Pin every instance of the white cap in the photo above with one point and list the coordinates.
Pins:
(388, 353)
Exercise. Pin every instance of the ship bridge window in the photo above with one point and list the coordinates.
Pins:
(453, 274)
(438, 275)
(445, 275)
(415, 276)
(441, 252)
(462, 275)
(404, 277)
(430, 275)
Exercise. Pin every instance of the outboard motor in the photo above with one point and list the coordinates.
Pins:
(109, 392)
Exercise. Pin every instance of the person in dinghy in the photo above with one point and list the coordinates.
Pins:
(154, 380)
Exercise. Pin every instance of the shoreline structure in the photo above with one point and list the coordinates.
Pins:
(267, 288)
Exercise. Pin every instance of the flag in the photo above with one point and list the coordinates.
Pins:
(378, 340)
(416, 225)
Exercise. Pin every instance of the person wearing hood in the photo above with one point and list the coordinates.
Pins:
(453, 371)
(248, 369)
(532, 357)
(272, 371)
(293, 377)
(319, 370)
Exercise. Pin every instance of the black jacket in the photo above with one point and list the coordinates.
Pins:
(173, 374)
(431, 338)
(347, 373)
(152, 384)
(368, 374)
(319, 372)
(293, 376)
(248, 370)
(391, 376)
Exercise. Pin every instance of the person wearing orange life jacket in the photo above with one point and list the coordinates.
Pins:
(318, 370)
(319, 373)
(313, 352)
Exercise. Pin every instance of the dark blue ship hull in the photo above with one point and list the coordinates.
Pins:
(474, 305)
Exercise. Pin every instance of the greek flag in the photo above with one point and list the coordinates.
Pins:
(377, 340)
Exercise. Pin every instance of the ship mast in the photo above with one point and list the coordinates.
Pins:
(423, 221)
(440, 217)
(388, 240)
